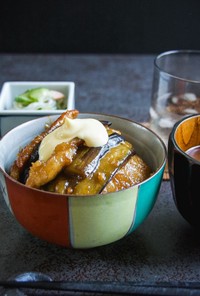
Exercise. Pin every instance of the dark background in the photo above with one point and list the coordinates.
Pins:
(99, 26)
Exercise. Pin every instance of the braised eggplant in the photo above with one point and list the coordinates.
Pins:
(87, 159)
(113, 167)
(75, 168)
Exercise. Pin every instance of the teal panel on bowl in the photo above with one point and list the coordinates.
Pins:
(147, 195)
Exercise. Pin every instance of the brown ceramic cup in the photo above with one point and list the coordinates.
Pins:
(184, 167)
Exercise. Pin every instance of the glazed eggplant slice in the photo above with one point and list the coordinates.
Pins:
(24, 156)
(41, 172)
(33, 158)
(132, 172)
(108, 165)
(87, 159)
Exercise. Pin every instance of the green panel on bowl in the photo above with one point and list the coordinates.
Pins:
(101, 219)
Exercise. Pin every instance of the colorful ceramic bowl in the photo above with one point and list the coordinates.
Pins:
(83, 221)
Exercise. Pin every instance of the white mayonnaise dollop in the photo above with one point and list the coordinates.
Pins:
(92, 131)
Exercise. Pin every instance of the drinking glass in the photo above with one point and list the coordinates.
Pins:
(175, 89)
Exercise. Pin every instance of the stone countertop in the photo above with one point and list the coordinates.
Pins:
(164, 247)
(117, 84)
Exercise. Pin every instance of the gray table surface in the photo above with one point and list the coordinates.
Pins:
(164, 247)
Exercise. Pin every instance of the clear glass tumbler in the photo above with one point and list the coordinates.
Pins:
(175, 89)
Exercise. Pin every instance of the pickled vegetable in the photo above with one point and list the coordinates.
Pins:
(40, 99)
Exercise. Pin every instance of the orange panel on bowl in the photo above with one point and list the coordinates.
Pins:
(41, 214)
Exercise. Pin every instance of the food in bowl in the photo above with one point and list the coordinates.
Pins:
(79, 156)
(40, 98)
